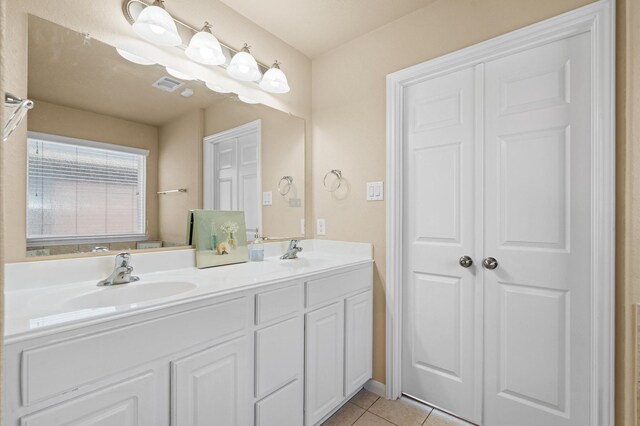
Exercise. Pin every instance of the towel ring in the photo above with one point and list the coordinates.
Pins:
(337, 174)
(284, 189)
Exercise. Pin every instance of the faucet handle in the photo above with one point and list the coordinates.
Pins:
(123, 259)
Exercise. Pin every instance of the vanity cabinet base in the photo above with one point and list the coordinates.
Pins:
(261, 357)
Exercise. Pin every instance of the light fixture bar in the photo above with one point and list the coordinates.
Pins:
(132, 8)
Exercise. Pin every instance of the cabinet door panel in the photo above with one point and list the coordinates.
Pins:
(282, 408)
(211, 387)
(324, 361)
(279, 355)
(128, 403)
(358, 341)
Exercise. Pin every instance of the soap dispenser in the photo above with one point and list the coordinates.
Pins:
(256, 250)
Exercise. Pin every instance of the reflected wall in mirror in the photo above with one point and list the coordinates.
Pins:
(119, 152)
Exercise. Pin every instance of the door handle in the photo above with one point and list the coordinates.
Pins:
(490, 263)
(465, 261)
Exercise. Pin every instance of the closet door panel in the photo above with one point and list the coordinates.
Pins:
(440, 327)
(537, 227)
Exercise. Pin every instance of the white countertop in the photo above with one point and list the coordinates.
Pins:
(39, 301)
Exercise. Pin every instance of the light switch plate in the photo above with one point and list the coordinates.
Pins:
(302, 230)
(375, 191)
(321, 227)
(267, 198)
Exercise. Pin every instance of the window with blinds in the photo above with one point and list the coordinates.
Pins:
(84, 191)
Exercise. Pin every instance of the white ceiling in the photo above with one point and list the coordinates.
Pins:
(317, 26)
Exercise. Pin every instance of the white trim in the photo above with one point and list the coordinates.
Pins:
(87, 143)
(598, 19)
(376, 387)
(208, 160)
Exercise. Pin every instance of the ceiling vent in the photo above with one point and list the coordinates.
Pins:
(167, 84)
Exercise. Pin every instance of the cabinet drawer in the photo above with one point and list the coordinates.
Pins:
(278, 303)
(282, 408)
(61, 367)
(279, 355)
(335, 286)
(131, 402)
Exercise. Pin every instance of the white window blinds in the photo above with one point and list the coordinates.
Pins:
(84, 191)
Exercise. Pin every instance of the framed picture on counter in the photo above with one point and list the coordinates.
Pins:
(220, 237)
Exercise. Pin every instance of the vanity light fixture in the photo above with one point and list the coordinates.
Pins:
(274, 80)
(243, 66)
(179, 74)
(216, 88)
(156, 25)
(134, 58)
(205, 48)
(247, 100)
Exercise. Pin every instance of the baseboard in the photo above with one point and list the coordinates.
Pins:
(376, 387)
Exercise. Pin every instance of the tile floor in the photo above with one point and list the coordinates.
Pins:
(367, 409)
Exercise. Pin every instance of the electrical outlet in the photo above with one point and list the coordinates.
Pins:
(267, 198)
(321, 227)
(302, 230)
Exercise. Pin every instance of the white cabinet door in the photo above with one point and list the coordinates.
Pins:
(279, 355)
(212, 387)
(538, 190)
(324, 361)
(358, 341)
(441, 327)
(132, 402)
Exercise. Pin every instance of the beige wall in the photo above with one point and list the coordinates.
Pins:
(180, 166)
(283, 153)
(628, 208)
(63, 121)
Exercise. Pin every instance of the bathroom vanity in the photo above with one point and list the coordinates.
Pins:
(273, 343)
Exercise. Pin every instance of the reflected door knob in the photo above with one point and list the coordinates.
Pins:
(490, 263)
(465, 261)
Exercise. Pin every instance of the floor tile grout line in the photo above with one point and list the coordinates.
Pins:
(358, 416)
(380, 417)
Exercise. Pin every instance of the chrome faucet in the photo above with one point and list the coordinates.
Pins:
(121, 273)
(292, 251)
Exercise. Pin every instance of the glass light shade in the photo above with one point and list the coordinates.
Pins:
(179, 74)
(274, 80)
(205, 49)
(134, 58)
(247, 100)
(216, 88)
(243, 66)
(157, 26)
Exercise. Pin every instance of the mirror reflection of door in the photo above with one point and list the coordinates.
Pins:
(231, 173)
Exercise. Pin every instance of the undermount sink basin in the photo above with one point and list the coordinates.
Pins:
(125, 294)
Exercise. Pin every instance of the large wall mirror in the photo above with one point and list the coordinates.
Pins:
(119, 152)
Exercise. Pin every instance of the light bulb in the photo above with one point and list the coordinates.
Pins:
(204, 48)
(243, 66)
(274, 80)
(157, 29)
(156, 25)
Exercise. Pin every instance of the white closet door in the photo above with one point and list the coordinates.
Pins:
(248, 182)
(537, 227)
(440, 323)
(226, 175)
